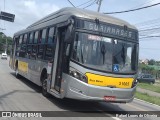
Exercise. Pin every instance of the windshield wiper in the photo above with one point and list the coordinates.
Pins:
(82, 56)
(123, 54)
(103, 51)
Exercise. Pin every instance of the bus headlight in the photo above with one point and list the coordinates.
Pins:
(78, 75)
(134, 83)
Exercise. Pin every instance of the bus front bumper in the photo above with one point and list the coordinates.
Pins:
(79, 90)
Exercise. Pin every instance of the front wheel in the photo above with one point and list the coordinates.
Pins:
(44, 88)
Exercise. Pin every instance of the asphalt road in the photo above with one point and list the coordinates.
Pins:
(23, 95)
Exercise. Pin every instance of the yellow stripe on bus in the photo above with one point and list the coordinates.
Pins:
(100, 80)
(23, 66)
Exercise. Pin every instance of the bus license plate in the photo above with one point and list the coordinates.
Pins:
(109, 98)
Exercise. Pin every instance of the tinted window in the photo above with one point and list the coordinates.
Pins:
(87, 47)
(145, 76)
(49, 52)
(20, 39)
(40, 51)
(17, 40)
(36, 37)
(29, 50)
(44, 36)
(34, 51)
(17, 46)
(111, 54)
(40, 36)
(25, 39)
(51, 35)
(30, 37)
(22, 52)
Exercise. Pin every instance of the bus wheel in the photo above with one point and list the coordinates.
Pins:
(16, 72)
(44, 88)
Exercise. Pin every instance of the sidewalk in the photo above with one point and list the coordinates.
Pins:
(150, 93)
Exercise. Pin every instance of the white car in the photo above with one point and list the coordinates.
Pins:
(4, 56)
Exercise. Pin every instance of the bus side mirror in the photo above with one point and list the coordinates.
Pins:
(69, 34)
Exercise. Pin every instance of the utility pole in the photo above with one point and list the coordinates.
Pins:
(99, 5)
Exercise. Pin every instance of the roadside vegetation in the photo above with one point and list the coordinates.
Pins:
(150, 67)
(154, 87)
(146, 97)
(3, 39)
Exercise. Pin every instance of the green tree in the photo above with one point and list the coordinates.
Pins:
(151, 62)
(3, 39)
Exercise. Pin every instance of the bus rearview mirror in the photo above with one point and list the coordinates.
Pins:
(69, 34)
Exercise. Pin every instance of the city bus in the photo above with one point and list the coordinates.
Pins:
(79, 54)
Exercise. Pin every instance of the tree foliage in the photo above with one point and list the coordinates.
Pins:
(143, 68)
(3, 39)
(151, 62)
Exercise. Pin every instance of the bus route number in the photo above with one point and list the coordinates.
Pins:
(124, 83)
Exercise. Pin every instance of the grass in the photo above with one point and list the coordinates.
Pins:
(146, 97)
(154, 88)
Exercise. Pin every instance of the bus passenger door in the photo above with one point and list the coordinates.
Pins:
(59, 60)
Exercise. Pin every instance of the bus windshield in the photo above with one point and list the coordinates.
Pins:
(104, 53)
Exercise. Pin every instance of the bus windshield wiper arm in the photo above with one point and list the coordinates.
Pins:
(103, 51)
(82, 56)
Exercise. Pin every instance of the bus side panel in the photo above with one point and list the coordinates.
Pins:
(35, 68)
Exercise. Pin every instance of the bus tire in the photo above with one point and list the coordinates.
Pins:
(44, 87)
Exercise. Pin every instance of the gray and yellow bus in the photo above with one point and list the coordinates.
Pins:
(79, 54)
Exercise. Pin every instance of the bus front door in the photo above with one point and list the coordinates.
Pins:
(58, 61)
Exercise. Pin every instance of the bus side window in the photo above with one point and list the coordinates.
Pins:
(30, 38)
(49, 53)
(17, 45)
(21, 46)
(42, 36)
(51, 35)
(26, 42)
(29, 46)
(29, 50)
(21, 39)
(34, 46)
(35, 37)
(34, 51)
(17, 40)
(24, 46)
(25, 39)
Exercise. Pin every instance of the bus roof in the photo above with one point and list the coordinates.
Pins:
(64, 13)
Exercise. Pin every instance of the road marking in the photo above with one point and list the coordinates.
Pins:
(136, 107)
(147, 102)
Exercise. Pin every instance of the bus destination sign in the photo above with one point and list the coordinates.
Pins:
(110, 29)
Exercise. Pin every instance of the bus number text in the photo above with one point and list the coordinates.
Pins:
(124, 83)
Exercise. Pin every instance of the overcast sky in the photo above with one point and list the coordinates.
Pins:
(29, 11)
